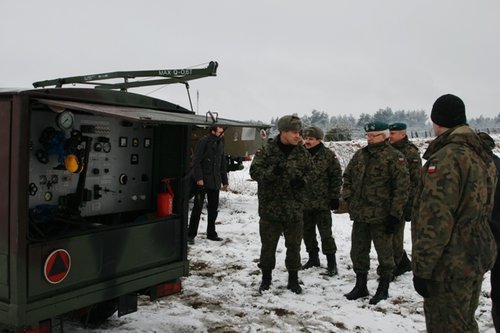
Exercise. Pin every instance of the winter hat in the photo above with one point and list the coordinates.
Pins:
(376, 126)
(314, 132)
(289, 123)
(448, 111)
(397, 127)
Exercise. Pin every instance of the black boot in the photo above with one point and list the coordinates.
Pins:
(313, 261)
(293, 282)
(382, 290)
(331, 269)
(266, 280)
(359, 289)
(403, 266)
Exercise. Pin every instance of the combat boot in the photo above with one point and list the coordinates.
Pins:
(382, 290)
(293, 282)
(331, 269)
(313, 261)
(266, 280)
(360, 289)
(403, 266)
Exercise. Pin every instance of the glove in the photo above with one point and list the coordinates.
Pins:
(297, 183)
(278, 170)
(420, 286)
(334, 204)
(390, 224)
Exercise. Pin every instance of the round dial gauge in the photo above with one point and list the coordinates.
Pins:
(65, 120)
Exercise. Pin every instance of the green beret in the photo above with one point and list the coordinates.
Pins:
(314, 132)
(376, 126)
(289, 123)
(397, 127)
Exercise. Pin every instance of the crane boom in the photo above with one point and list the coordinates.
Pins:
(168, 76)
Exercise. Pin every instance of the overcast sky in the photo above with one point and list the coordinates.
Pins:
(275, 57)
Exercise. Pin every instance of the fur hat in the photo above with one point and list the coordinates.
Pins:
(289, 123)
(448, 111)
(314, 132)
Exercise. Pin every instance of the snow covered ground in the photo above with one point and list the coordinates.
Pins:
(221, 293)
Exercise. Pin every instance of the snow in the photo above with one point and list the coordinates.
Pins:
(221, 292)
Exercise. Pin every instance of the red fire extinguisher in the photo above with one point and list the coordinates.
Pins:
(165, 198)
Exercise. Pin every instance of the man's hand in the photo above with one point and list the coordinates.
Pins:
(224, 187)
(420, 286)
(334, 204)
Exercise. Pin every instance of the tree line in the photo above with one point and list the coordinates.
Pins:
(347, 127)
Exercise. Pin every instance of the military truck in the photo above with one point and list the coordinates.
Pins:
(93, 197)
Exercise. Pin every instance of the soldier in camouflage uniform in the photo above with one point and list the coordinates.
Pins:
(323, 195)
(282, 169)
(376, 183)
(400, 141)
(453, 245)
(489, 145)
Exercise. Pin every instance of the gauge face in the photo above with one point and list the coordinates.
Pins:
(65, 120)
(106, 147)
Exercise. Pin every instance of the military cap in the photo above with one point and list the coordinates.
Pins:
(397, 127)
(289, 123)
(314, 132)
(376, 126)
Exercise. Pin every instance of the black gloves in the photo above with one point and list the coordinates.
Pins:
(297, 183)
(420, 286)
(334, 204)
(390, 224)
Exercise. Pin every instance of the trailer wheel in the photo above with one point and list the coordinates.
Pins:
(97, 314)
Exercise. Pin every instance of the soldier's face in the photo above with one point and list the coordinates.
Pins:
(375, 137)
(290, 137)
(396, 136)
(311, 142)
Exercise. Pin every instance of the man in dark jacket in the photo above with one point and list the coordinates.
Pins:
(209, 172)
(376, 183)
(453, 246)
(400, 141)
(282, 169)
(489, 145)
(323, 196)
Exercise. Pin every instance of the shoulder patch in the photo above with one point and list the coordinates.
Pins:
(431, 169)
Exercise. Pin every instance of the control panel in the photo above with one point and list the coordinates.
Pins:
(92, 165)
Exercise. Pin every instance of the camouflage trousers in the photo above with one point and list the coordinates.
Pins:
(270, 232)
(451, 305)
(361, 238)
(398, 241)
(322, 219)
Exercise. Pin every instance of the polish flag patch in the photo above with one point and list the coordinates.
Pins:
(431, 169)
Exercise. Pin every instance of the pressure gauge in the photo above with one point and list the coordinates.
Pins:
(65, 120)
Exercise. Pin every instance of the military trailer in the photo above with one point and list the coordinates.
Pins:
(93, 199)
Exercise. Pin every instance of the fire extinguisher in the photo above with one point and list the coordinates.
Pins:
(165, 198)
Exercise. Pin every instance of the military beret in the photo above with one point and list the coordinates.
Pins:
(314, 132)
(397, 127)
(289, 123)
(376, 126)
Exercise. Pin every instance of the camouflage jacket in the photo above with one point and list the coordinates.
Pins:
(376, 183)
(414, 163)
(280, 198)
(328, 182)
(450, 232)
